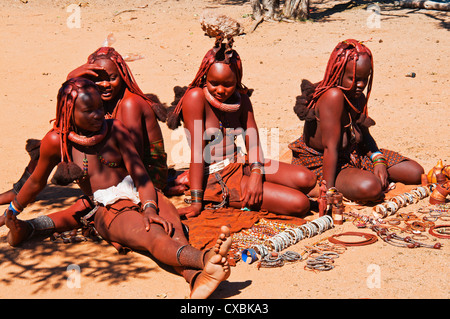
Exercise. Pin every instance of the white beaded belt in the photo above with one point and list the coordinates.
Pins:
(218, 166)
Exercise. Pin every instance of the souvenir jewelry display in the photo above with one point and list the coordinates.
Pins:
(389, 229)
(321, 256)
(291, 236)
(267, 239)
(278, 260)
(254, 236)
(390, 207)
(396, 240)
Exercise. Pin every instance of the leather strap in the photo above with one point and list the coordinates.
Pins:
(368, 239)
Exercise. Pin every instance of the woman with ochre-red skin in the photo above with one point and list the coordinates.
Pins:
(336, 143)
(217, 106)
(82, 138)
(123, 100)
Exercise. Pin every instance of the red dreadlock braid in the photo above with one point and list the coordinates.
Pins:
(128, 78)
(344, 52)
(223, 53)
(68, 171)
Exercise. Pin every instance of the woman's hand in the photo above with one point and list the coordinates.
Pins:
(150, 216)
(191, 211)
(85, 70)
(252, 193)
(381, 172)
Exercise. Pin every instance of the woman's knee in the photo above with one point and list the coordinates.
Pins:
(367, 190)
(302, 205)
(297, 206)
(306, 180)
(407, 172)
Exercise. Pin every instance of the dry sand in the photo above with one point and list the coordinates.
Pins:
(412, 116)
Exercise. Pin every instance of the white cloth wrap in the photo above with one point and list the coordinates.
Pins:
(124, 190)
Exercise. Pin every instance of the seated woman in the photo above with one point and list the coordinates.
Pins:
(336, 143)
(216, 111)
(100, 156)
(123, 100)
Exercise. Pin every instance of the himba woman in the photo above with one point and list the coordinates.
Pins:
(336, 143)
(216, 110)
(123, 100)
(100, 156)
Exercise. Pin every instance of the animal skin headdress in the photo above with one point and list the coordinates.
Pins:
(345, 51)
(126, 75)
(219, 27)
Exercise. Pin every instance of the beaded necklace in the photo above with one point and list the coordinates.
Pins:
(106, 162)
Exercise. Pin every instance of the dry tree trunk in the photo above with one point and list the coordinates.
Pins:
(424, 4)
(257, 9)
(264, 10)
(269, 10)
(296, 9)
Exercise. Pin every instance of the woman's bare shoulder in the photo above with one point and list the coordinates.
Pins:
(51, 143)
(193, 101)
(332, 99)
(132, 102)
(194, 94)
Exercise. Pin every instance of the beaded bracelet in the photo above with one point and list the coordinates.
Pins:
(380, 163)
(374, 154)
(14, 209)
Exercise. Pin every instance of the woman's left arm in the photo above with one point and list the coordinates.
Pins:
(374, 153)
(137, 171)
(252, 194)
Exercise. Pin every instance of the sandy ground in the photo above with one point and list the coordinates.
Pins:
(412, 115)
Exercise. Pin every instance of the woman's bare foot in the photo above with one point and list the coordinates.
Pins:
(216, 268)
(6, 198)
(223, 243)
(19, 230)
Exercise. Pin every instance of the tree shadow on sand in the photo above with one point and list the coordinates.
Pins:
(43, 262)
(35, 263)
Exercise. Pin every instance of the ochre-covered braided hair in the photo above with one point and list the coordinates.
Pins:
(67, 171)
(126, 75)
(345, 51)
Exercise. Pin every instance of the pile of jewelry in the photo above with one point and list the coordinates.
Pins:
(390, 207)
(410, 224)
(256, 235)
(361, 220)
(394, 239)
(293, 235)
(278, 260)
(321, 256)
(76, 236)
(268, 239)
(435, 212)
